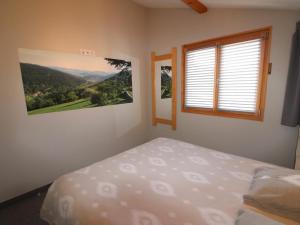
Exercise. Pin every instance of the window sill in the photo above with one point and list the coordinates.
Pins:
(236, 115)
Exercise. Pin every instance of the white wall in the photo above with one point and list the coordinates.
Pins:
(34, 150)
(267, 141)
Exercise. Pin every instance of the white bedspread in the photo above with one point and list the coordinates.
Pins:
(163, 182)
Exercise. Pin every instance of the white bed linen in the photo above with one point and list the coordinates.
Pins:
(163, 182)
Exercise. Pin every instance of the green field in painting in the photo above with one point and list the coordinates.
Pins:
(79, 104)
(51, 90)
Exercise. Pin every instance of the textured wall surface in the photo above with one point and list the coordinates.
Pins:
(266, 141)
(37, 149)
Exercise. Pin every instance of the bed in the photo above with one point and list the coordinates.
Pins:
(162, 182)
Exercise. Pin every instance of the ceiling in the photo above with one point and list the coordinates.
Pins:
(254, 4)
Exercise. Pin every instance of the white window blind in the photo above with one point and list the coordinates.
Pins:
(227, 76)
(199, 80)
(239, 76)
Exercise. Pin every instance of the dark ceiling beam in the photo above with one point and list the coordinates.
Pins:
(196, 5)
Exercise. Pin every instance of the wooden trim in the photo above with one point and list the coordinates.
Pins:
(164, 121)
(162, 57)
(174, 88)
(228, 114)
(183, 71)
(241, 36)
(217, 72)
(260, 82)
(265, 35)
(155, 58)
(264, 80)
(196, 5)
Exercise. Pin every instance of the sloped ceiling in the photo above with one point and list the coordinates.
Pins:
(254, 4)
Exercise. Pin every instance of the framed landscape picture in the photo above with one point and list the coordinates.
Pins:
(166, 82)
(56, 82)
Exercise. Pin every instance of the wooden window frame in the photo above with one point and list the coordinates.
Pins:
(265, 34)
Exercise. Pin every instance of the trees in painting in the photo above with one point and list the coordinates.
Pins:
(166, 82)
(51, 89)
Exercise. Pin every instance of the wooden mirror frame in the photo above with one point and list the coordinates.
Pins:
(155, 58)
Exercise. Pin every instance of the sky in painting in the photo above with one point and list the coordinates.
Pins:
(166, 63)
(65, 60)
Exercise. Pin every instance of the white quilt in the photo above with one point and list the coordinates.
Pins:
(163, 182)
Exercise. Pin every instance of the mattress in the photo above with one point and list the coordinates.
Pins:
(162, 182)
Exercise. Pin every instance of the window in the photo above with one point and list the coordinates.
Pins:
(227, 76)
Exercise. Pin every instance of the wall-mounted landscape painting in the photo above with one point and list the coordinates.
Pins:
(56, 82)
(166, 82)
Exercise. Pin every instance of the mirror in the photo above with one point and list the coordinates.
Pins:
(164, 72)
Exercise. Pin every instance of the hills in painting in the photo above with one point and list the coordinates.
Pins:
(53, 88)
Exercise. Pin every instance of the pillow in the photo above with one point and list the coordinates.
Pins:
(277, 191)
(251, 218)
